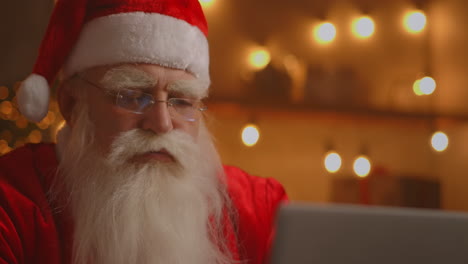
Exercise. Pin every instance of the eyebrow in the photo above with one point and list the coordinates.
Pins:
(192, 88)
(127, 77)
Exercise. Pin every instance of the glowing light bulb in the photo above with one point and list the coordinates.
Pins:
(250, 135)
(332, 162)
(362, 166)
(363, 27)
(259, 59)
(417, 88)
(415, 21)
(6, 107)
(206, 3)
(325, 33)
(427, 85)
(35, 136)
(439, 141)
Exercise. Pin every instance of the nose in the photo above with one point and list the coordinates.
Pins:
(157, 119)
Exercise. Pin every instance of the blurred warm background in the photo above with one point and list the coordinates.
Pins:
(355, 101)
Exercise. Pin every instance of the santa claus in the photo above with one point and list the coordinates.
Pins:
(134, 176)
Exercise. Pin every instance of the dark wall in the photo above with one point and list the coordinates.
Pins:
(22, 25)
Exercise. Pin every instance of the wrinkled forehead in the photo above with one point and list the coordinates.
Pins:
(149, 77)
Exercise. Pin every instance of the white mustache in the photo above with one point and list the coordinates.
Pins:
(137, 141)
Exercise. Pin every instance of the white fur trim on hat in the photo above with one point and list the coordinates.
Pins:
(33, 97)
(139, 37)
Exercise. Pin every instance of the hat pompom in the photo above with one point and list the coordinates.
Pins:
(33, 97)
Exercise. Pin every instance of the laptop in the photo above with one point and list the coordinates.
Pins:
(350, 234)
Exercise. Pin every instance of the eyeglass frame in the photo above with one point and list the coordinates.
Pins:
(169, 102)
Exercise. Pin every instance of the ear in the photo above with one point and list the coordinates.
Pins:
(67, 99)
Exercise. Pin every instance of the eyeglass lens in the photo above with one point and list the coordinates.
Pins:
(138, 102)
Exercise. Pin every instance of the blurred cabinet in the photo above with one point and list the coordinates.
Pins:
(404, 191)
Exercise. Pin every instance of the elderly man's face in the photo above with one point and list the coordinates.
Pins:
(103, 85)
(133, 184)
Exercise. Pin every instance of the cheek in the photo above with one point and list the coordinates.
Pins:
(191, 128)
(108, 122)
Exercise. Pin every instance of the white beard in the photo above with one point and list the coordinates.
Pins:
(158, 212)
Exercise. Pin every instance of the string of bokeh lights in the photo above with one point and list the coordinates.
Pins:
(324, 33)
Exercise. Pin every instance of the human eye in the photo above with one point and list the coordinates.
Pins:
(181, 102)
(127, 96)
(134, 100)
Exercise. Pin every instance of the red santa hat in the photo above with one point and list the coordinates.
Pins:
(87, 33)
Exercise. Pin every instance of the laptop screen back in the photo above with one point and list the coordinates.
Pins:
(338, 234)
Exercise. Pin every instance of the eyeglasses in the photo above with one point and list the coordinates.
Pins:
(139, 102)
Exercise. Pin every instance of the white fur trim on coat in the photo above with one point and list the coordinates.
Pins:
(139, 37)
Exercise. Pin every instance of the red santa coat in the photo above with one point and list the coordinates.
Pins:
(31, 232)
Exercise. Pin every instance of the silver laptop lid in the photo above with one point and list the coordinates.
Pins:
(345, 234)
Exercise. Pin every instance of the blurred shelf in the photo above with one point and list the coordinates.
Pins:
(233, 108)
